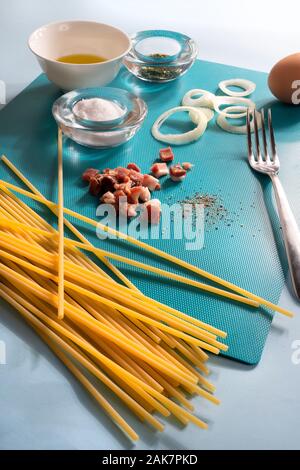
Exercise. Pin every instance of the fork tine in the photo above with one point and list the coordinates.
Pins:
(263, 128)
(259, 158)
(272, 137)
(249, 140)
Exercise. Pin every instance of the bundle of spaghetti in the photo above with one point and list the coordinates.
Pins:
(145, 329)
(239, 290)
(148, 354)
(41, 260)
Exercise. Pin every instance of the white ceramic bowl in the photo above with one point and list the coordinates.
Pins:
(55, 40)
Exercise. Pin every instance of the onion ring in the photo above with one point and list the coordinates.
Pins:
(249, 87)
(219, 100)
(224, 124)
(179, 139)
(209, 114)
(206, 100)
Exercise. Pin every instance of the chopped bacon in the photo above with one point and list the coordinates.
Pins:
(159, 170)
(136, 177)
(122, 174)
(121, 202)
(134, 194)
(95, 185)
(89, 173)
(109, 171)
(126, 187)
(150, 182)
(153, 211)
(108, 198)
(177, 173)
(145, 194)
(107, 183)
(118, 194)
(133, 166)
(166, 155)
(187, 165)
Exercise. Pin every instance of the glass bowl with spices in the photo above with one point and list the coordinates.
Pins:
(160, 56)
(99, 117)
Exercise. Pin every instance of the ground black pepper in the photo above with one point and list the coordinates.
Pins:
(213, 207)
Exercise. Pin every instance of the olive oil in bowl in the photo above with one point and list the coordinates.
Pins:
(81, 59)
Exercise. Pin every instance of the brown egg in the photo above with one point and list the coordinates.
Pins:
(284, 79)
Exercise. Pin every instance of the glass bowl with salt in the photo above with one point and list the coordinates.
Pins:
(99, 117)
(159, 55)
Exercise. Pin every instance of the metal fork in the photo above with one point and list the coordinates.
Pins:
(268, 164)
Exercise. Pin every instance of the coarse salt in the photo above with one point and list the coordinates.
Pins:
(97, 109)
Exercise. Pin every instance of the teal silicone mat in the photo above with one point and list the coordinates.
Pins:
(243, 247)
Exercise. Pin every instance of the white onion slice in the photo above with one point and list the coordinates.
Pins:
(186, 137)
(209, 114)
(249, 87)
(206, 99)
(224, 124)
(220, 100)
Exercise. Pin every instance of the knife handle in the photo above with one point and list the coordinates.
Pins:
(291, 233)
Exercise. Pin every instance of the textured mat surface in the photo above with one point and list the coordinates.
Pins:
(244, 246)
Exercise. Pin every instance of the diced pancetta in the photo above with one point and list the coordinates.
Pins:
(145, 194)
(122, 174)
(108, 198)
(166, 155)
(107, 183)
(177, 173)
(95, 185)
(133, 166)
(127, 188)
(89, 173)
(159, 169)
(136, 177)
(150, 182)
(134, 194)
(153, 211)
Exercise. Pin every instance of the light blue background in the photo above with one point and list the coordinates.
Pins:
(260, 406)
